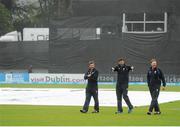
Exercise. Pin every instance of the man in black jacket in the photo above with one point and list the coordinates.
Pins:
(122, 84)
(154, 78)
(92, 88)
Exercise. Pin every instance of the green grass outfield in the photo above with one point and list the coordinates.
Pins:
(65, 115)
(26, 115)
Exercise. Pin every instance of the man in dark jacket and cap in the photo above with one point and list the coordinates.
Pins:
(122, 85)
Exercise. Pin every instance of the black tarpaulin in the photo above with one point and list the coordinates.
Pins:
(72, 55)
(19, 55)
(74, 39)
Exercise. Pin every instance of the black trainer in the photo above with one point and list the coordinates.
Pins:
(83, 111)
(130, 110)
(119, 112)
(149, 113)
(157, 113)
(95, 111)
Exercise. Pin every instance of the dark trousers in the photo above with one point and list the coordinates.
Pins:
(91, 93)
(154, 102)
(122, 92)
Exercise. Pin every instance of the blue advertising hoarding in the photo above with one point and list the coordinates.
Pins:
(2, 77)
(14, 77)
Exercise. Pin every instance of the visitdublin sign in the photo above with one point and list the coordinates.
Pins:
(64, 78)
(57, 78)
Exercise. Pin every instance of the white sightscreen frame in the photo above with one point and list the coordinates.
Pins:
(144, 22)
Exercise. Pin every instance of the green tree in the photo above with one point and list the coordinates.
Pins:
(6, 24)
(23, 15)
(34, 14)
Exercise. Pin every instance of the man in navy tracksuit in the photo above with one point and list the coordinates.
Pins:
(154, 78)
(122, 85)
(92, 88)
